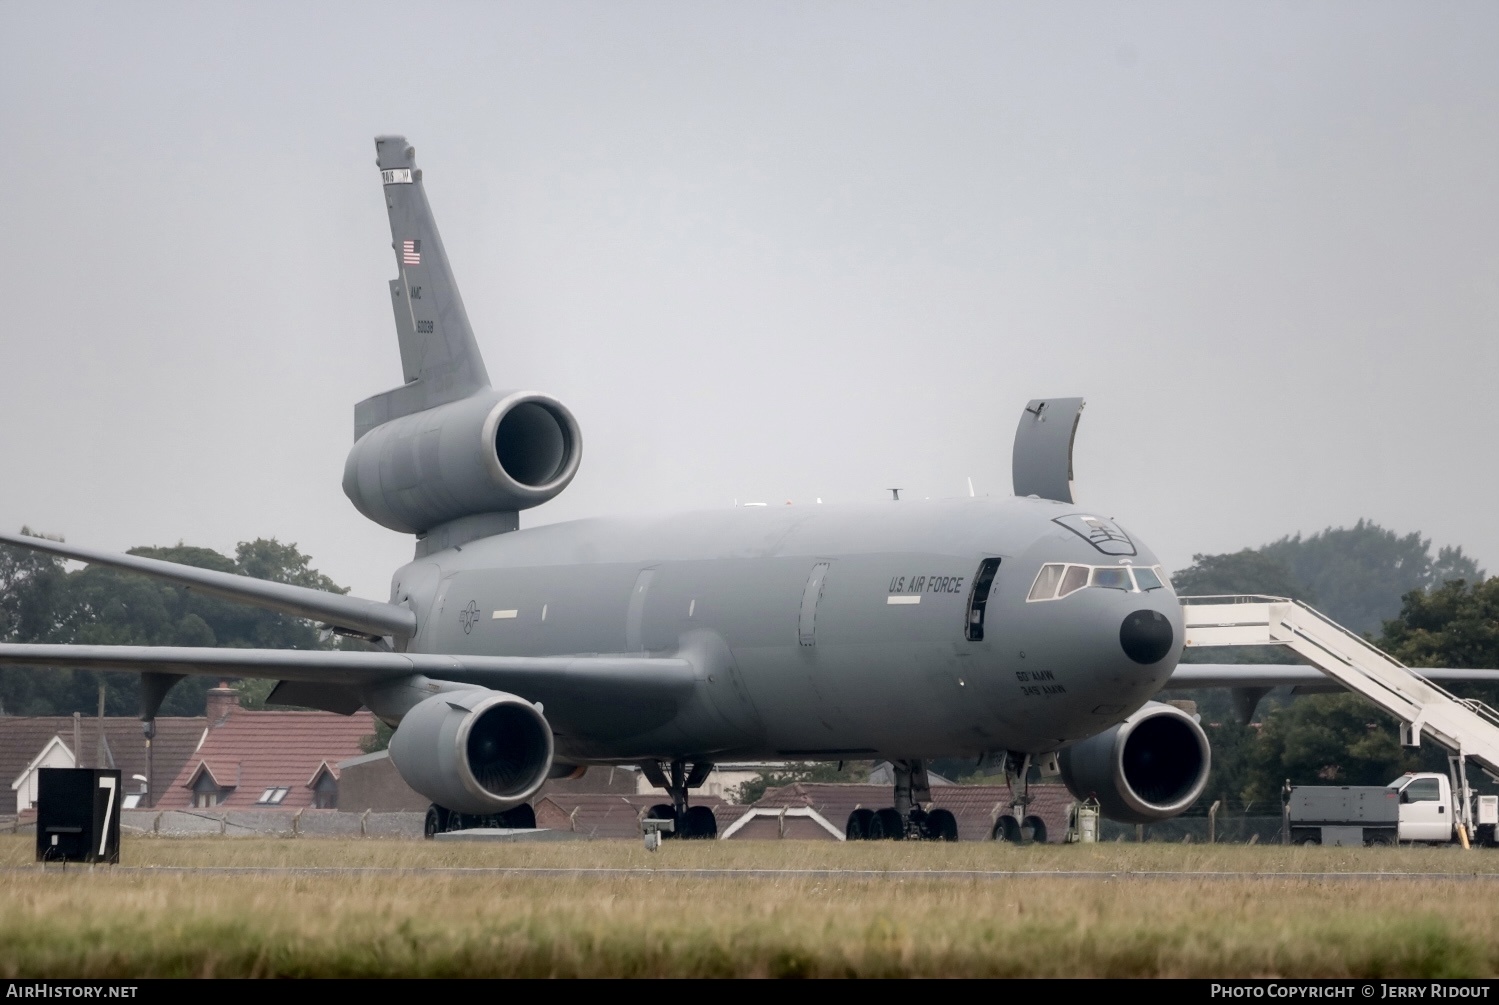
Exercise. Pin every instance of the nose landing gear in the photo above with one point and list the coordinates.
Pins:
(691, 821)
(1018, 826)
(906, 819)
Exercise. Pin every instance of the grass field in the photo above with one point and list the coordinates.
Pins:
(657, 923)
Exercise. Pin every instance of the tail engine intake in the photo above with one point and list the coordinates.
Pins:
(476, 751)
(493, 452)
(1150, 767)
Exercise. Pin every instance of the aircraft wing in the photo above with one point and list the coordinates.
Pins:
(364, 617)
(1303, 678)
(325, 679)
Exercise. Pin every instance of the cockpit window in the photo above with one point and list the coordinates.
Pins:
(1055, 581)
(1146, 579)
(1075, 579)
(1045, 586)
(1115, 578)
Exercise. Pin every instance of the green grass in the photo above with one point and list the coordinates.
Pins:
(117, 924)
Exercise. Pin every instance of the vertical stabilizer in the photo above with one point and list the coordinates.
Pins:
(440, 360)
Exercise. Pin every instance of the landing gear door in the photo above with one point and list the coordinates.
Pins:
(1042, 461)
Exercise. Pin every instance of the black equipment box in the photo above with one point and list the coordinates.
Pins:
(78, 815)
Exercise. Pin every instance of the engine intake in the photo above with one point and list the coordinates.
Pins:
(477, 751)
(1150, 767)
(492, 452)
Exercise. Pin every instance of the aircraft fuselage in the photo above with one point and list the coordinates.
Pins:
(821, 631)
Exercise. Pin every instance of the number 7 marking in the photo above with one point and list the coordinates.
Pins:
(107, 782)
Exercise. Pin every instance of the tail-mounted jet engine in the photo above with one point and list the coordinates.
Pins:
(1150, 767)
(492, 452)
(476, 751)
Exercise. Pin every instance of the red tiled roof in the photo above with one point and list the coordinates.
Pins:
(975, 806)
(23, 737)
(254, 751)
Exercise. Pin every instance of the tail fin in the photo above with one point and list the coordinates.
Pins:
(439, 358)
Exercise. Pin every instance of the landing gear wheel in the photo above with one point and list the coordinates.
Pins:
(522, 817)
(699, 822)
(858, 825)
(1007, 829)
(886, 825)
(435, 822)
(941, 825)
(1033, 828)
(663, 811)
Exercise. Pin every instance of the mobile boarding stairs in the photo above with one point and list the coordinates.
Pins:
(1466, 727)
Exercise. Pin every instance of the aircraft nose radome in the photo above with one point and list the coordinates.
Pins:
(1146, 636)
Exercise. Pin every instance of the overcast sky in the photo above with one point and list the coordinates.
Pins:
(764, 252)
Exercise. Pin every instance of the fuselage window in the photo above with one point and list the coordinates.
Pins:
(1075, 579)
(1115, 578)
(1045, 586)
(978, 600)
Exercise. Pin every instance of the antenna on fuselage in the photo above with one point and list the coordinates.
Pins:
(895, 494)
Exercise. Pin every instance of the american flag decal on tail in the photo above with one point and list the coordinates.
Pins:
(411, 252)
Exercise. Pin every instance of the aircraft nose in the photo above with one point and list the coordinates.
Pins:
(1146, 636)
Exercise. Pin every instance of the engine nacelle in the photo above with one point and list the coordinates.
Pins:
(475, 751)
(1150, 767)
(493, 452)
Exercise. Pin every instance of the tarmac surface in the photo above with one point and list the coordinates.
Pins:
(900, 875)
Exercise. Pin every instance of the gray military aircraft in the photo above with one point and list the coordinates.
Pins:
(1026, 630)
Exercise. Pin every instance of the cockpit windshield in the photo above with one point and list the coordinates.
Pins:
(1056, 580)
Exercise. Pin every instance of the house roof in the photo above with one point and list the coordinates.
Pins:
(253, 751)
(23, 737)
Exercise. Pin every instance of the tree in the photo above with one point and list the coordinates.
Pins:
(41, 602)
(1359, 574)
(1326, 739)
(1240, 572)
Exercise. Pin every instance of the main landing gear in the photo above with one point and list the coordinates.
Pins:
(692, 822)
(441, 820)
(906, 819)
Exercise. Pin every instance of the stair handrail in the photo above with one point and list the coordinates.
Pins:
(1474, 705)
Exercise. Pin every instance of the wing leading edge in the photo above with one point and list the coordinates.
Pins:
(364, 617)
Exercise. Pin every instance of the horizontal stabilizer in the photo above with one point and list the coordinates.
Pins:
(364, 617)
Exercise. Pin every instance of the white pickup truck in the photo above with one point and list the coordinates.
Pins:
(1414, 807)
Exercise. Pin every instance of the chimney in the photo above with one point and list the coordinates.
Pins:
(221, 701)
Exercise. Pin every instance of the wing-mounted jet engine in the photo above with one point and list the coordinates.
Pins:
(475, 751)
(1150, 767)
(445, 456)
